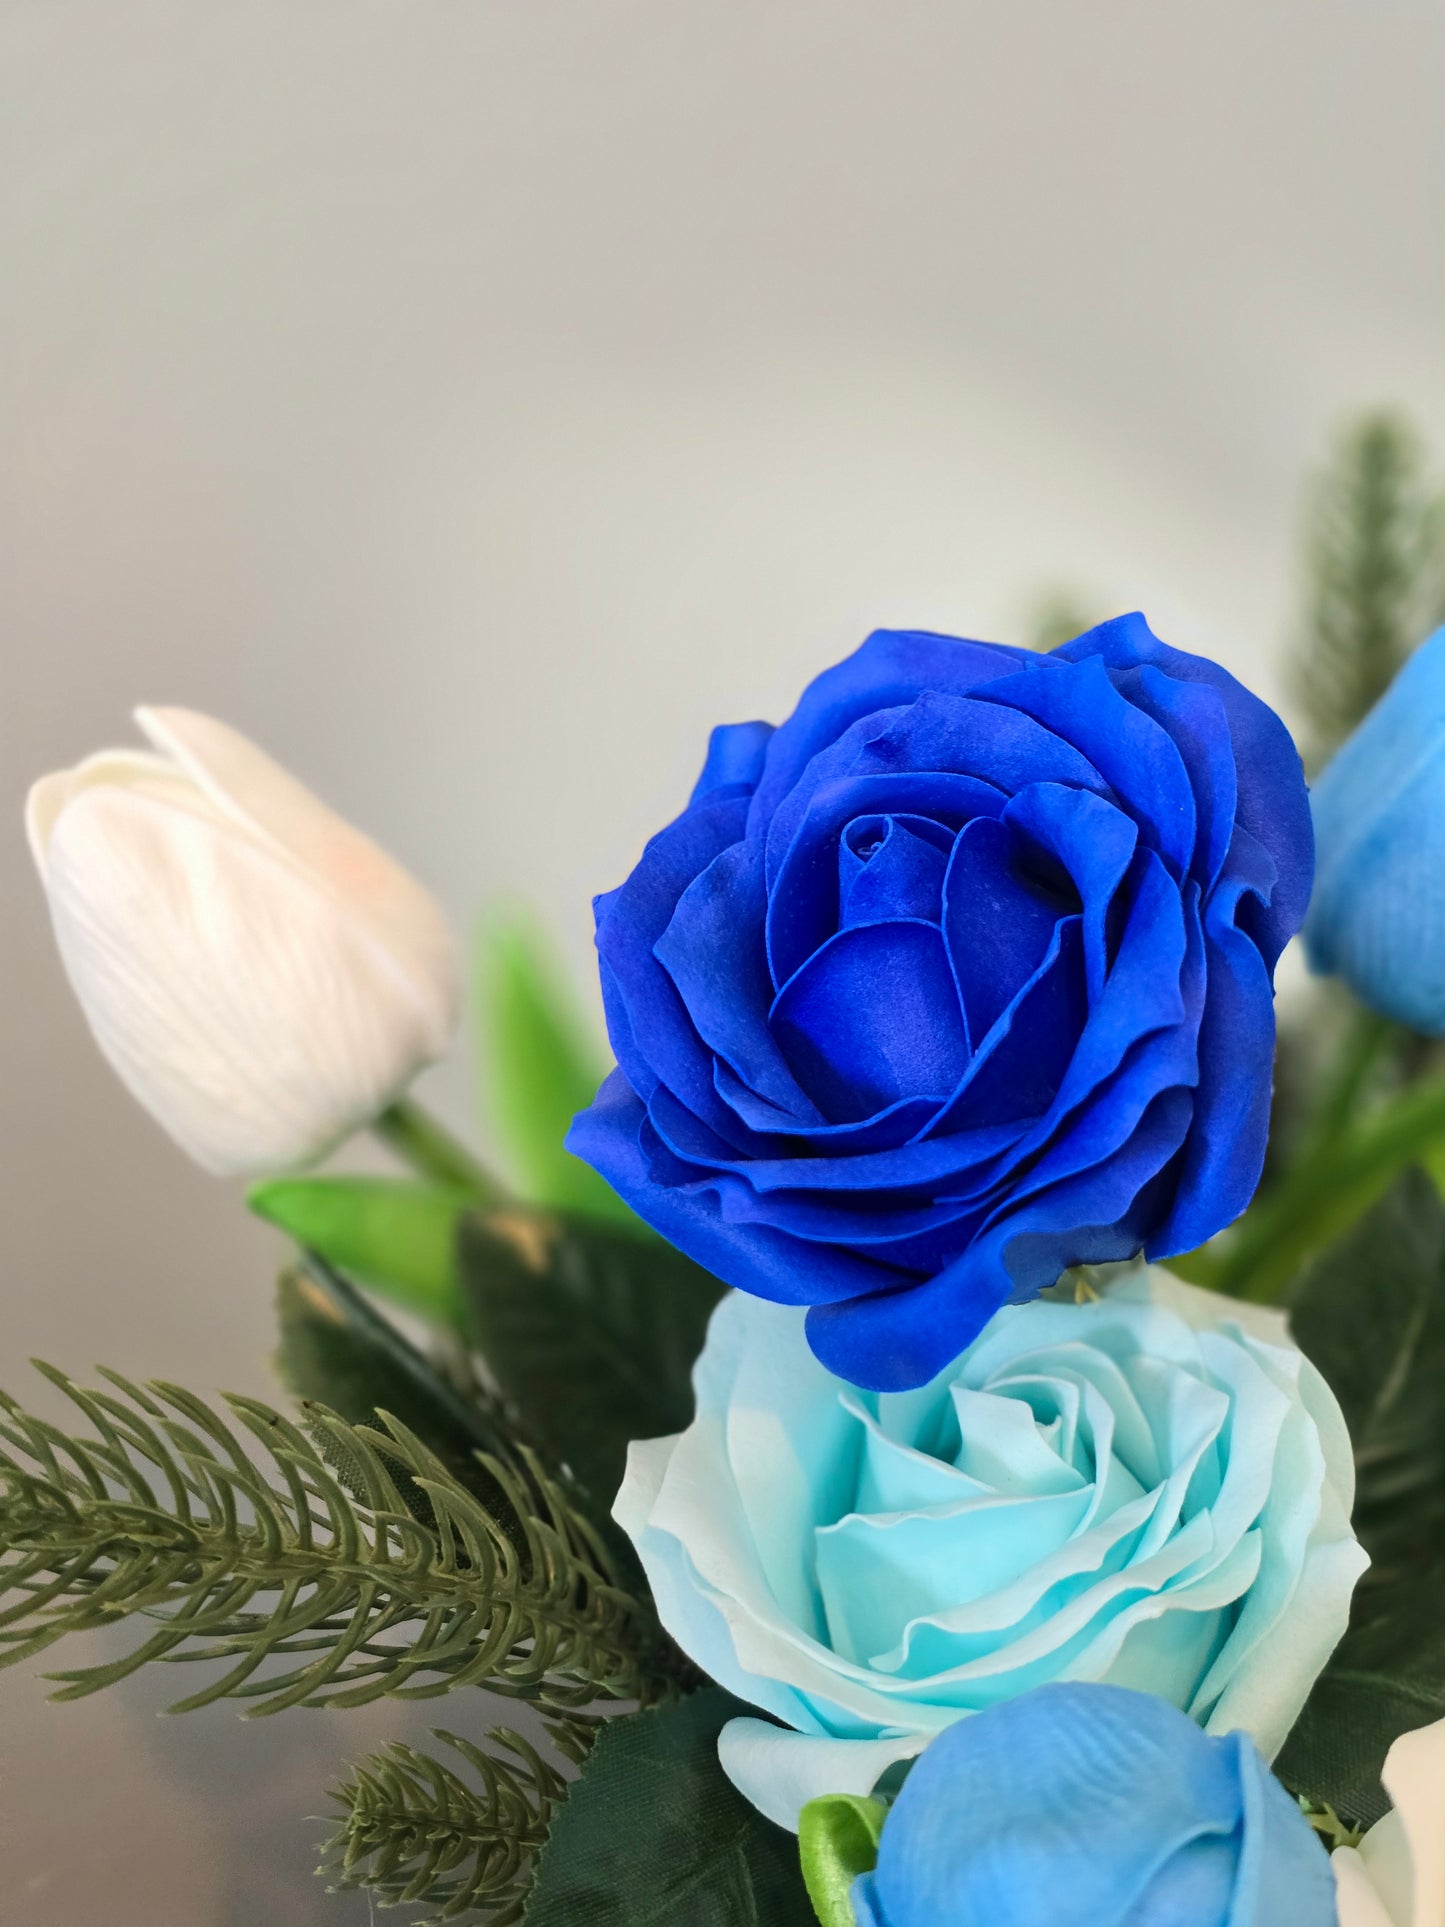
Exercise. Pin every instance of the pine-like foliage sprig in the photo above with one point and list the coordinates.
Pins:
(414, 1830)
(263, 1556)
(1375, 573)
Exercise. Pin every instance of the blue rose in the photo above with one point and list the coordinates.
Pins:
(961, 976)
(1089, 1806)
(1152, 1490)
(1378, 918)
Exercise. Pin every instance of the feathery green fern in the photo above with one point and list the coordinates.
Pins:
(165, 1513)
(413, 1830)
(1375, 571)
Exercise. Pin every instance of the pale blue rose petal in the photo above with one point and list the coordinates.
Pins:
(781, 1771)
(1165, 1505)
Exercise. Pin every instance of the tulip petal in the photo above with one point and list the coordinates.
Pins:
(246, 786)
(256, 1019)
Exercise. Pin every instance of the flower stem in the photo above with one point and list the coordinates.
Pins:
(1323, 1196)
(432, 1152)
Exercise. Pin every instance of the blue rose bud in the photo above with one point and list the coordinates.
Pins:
(1093, 1806)
(1378, 914)
(958, 978)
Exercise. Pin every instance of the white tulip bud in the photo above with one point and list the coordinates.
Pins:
(262, 977)
(1396, 1876)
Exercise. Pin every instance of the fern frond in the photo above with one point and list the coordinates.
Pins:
(1375, 565)
(235, 1537)
(413, 1830)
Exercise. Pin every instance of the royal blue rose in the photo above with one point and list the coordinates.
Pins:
(959, 977)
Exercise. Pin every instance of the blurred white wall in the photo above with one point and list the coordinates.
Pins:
(475, 401)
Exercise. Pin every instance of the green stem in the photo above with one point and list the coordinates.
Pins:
(1324, 1195)
(1369, 1035)
(430, 1149)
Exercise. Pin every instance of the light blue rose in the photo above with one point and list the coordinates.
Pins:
(1153, 1490)
(1085, 1806)
(1377, 917)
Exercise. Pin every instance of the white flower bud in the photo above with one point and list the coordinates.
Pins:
(262, 977)
(1396, 1876)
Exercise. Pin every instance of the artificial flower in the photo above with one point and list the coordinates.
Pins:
(1152, 1490)
(961, 976)
(1090, 1806)
(1378, 916)
(1396, 1876)
(261, 975)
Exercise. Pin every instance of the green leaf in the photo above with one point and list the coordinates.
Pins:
(539, 1069)
(395, 1234)
(1371, 1315)
(654, 1835)
(837, 1840)
(590, 1332)
(341, 1353)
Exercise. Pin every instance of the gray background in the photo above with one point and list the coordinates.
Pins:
(476, 401)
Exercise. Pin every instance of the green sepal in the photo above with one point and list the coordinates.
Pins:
(838, 1840)
(653, 1834)
(397, 1235)
(539, 1069)
(589, 1332)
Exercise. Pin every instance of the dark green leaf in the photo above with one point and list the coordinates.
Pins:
(1371, 1314)
(590, 1332)
(396, 1235)
(539, 1068)
(336, 1351)
(838, 1839)
(654, 1835)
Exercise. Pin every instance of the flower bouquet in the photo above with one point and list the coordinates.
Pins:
(912, 1443)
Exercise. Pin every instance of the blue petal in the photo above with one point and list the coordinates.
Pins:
(891, 867)
(998, 920)
(646, 1017)
(1272, 803)
(713, 951)
(735, 753)
(1223, 1159)
(1378, 917)
(803, 894)
(1094, 841)
(1137, 758)
(610, 1137)
(892, 666)
(872, 1017)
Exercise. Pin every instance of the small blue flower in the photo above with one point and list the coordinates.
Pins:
(1093, 1806)
(1378, 915)
(959, 977)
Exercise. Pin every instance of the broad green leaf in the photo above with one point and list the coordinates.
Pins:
(539, 1069)
(590, 1332)
(395, 1234)
(837, 1840)
(337, 1351)
(1371, 1314)
(654, 1835)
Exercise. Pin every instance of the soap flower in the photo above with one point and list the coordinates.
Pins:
(1396, 1876)
(1377, 918)
(1152, 1490)
(1093, 1806)
(261, 976)
(961, 976)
